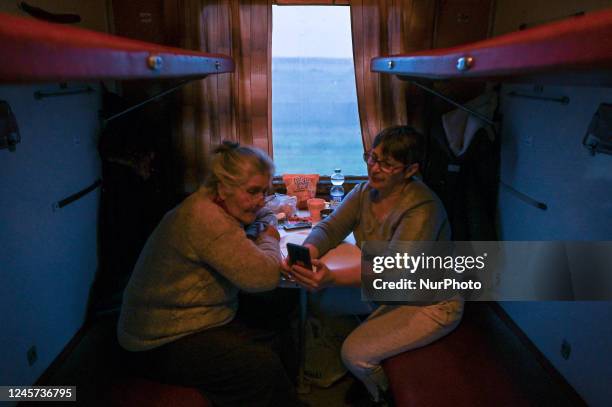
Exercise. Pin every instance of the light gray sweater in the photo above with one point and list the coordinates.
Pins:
(418, 216)
(189, 273)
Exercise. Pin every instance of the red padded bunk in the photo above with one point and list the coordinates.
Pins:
(575, 51)
(32, 51)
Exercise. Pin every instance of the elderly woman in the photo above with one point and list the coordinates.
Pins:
(392, 206)
(179, 306)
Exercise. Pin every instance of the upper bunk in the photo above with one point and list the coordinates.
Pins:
(576, 51)
(36, 51)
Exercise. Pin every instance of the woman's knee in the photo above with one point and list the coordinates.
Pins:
(354, 355)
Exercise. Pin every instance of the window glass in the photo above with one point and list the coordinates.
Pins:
(315, 122)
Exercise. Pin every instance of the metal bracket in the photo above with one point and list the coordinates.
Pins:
(9, 131)
(598, 138)
(595, 145)
(76, 196)
(564, 100)
(524, 197)
(64, 91)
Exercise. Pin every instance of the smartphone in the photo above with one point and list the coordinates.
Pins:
(299, 254)
(298, 225)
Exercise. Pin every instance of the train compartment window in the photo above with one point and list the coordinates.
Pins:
(315, 121)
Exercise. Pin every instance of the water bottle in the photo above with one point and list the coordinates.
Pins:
(336, 192)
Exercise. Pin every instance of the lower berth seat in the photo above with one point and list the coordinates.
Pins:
(481, 363)
(102, 372)
(135, 391)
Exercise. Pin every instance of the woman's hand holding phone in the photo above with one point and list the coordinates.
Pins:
(312, 280)
(314, 275)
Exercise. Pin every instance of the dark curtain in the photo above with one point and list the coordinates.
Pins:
(379, 28)
(232, 106)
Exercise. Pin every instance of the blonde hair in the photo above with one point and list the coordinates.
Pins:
(232, 164)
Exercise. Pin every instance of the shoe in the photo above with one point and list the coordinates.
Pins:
(386, 398)
(357, 394)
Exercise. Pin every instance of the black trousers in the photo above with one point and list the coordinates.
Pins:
(237, 364)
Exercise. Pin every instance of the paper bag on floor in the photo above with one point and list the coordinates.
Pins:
(324, 337)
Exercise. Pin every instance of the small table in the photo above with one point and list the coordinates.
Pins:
(344, 254)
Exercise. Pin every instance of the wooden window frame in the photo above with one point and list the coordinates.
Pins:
(323, 186)
(311, 2)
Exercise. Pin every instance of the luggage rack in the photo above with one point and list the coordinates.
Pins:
(38, 51)
(575, 51)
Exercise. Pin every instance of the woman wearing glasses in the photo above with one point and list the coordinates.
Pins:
(179, 306)
(392, 206)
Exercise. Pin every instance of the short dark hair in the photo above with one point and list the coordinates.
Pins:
(402, 143)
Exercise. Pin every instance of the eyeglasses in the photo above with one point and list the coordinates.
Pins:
(255, 193)
(371, 159)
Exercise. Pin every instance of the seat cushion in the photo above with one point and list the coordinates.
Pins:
(463, 369)
(135, 391)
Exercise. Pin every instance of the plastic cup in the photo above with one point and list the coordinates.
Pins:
(315, 206)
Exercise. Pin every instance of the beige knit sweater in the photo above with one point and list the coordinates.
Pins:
(189, 273)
